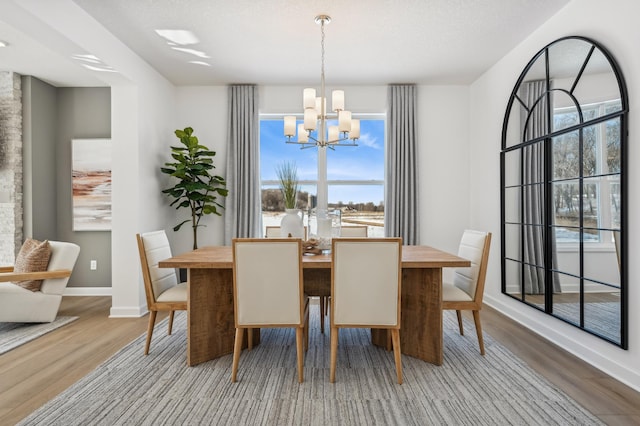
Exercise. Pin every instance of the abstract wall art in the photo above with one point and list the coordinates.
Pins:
(91, 183)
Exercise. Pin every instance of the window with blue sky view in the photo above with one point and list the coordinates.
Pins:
(355, 174)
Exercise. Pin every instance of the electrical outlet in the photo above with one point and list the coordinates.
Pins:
(94, 265)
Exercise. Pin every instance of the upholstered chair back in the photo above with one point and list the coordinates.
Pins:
(267, 278)
(472, 247)
(157, 248)
(63, 256)
(274, 232)
(354, 231)
(365, 284)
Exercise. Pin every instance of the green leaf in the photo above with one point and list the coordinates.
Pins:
(178, 226)
(195, 188)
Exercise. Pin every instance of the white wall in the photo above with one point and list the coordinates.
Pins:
(205, 110)
(442, 138)
(142, 112)
(142, 125)
(443, 165)
(614, 25)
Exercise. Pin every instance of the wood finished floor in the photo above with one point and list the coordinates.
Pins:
(36, 372)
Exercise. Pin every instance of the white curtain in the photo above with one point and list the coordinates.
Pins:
(401, 192)
(243, 212)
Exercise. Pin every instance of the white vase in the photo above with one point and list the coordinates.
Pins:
(292, 224)
(324, 226)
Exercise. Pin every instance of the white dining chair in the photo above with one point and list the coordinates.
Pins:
(467, 289)
(274, 232)
(268, 291)
(347, 232)
(366, 278)
(354, 231)
(163, 290)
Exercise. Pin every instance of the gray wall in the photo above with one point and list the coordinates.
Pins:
(55, 117)
(39, 153)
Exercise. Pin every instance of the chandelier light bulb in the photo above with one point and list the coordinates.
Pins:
(316, 114)
(337, 100)
(309, 98)
(290, 125)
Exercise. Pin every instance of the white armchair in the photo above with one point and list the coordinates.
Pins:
(18, 304)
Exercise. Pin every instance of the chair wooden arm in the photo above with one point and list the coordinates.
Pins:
(6, 269)
(23, 276)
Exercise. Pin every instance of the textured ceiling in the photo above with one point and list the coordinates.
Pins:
(277, 42)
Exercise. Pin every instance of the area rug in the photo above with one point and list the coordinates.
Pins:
(159, 389)
(14, 334)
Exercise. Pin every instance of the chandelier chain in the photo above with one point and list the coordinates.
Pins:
(316, 119)
(322, 112)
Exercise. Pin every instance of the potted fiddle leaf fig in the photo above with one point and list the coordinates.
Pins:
(197, 188)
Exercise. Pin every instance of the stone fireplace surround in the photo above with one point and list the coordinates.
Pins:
(11, 166)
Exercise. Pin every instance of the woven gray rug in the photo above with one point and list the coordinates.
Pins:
(468, 389)
(14, 334)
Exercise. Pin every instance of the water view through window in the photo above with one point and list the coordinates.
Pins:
(355, 175)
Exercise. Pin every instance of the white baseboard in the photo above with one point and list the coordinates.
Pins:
(87, 291)
(120, 312)
(580, 347)
(128, 312)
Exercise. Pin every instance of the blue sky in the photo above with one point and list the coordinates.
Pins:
(364, 162)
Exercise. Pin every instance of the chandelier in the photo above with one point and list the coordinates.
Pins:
(315, 114)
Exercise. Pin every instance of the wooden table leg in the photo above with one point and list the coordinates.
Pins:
(317, 282)
(210, 322)
(421, 316)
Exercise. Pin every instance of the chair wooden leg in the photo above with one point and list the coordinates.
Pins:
(152, 322)
(459, 314)
(170, 322)
(237, 348)
(250, 338)
(322, 306)
(395, 337)
(476, 319)
(300, 353)
(306, 329)
(334, 354)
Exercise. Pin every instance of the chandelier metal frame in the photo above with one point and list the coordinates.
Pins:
(316, 116)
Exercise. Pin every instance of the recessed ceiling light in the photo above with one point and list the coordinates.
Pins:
(103, 68)
(181, 37)
(3, 43)
(87, 58)
(193, 52)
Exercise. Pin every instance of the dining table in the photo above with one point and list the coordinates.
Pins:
(210, 319)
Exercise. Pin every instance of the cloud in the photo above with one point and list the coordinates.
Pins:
(366, 139)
